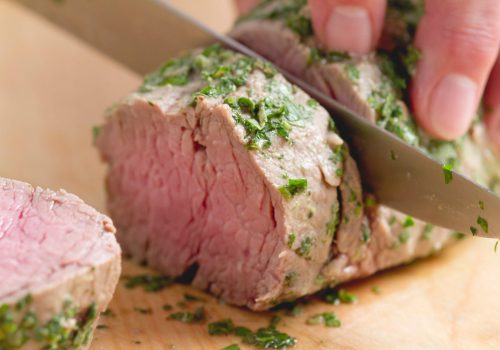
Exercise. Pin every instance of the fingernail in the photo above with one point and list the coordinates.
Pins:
(349, 28)
(452, 106)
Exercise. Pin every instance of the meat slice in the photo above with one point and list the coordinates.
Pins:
(373, 86)
(219, 165)
(59, 265)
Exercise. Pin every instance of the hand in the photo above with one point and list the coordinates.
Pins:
(459, 41)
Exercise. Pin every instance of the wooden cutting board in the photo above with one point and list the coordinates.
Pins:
(53, 89)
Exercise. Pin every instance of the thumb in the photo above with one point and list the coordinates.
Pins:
(459, 40)
(348, 25)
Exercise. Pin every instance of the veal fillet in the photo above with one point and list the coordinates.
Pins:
(59, 265)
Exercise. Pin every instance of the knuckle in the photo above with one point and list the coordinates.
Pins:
(476, 34)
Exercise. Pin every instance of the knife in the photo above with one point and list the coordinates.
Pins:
(141, 34)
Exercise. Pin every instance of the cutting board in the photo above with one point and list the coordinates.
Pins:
(54, 88)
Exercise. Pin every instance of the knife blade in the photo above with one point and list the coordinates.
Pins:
(141, 34)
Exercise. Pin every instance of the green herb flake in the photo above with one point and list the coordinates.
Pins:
(150, 283)
(223, 327)
(319, 280)
(293, 187)
(312, 103)
(102, 327)
(189, 317)
(167, 307)
(295, 311)
(376, 290)
(483, 223)
(352, 72)
(428, 228)
(305, 247)
(413, 55)
(290, 279)
(448, 173)
(232, 347)
(481, 205)
(144, 311)
(366, 232)
(458, 235)
(269, 338)
(340, 296)
(274, 321)
(108, 313)
(291, 240)
(394, 156)
(409, 222)
(404, 237)
(96, 131)
(190, 297)
(329, 319)
(473, 230)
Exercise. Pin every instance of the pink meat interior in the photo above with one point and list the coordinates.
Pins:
(46, 237)
(185, 195)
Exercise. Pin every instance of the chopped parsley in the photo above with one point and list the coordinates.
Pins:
(413, 55)
(331, 225)
(409, 222)
(366, 232)
(223, 327)
(473, 230)
(265, 337)
(69, 329)
(448, 173)
(167, 307)
(305, 247)
(144, 311)
(293, 187)
(376, 290)
(191, 297)
(96, 131)
(329, 319)
(340, 296)
(269, 338)
(108, 313)
(149, 283)
(189, 317)
(352, 72)
(481, 205)
(458, 235)
(291, 240)
(232, 347)
(426, 235)
(403, 237)
(394, 156)
(483, 223)
(290, 279)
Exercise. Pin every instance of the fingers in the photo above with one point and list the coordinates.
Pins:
(348, 25)
(459, 40)
(492, 103)
(243, 6)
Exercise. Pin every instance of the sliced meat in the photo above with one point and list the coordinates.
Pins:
(59, 265)
(373, 86)
(218, 163)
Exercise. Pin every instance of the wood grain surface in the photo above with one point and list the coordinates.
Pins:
(53, 89)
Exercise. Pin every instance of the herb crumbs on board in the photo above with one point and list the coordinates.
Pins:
(340, 296)
(150, 283)
(188, 317)
(232, 347)
(265, 337)
(329, 319)
(143, 311)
